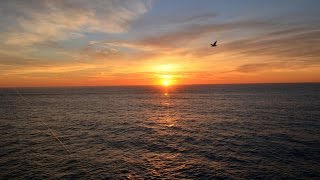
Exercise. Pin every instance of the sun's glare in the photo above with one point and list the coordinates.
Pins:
(166, 74)
(166, 82)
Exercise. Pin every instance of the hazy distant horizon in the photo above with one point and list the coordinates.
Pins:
(159, 85)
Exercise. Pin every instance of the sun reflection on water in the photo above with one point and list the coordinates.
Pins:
(168, 115)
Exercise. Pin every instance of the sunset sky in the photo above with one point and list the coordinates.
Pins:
(142, 42)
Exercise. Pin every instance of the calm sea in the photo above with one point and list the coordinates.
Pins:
(192, 132)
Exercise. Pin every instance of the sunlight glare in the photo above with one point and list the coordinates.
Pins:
(166, 74)
(166, 82)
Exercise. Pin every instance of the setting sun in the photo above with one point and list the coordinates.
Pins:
(166, 74)
(166, 83)
(166, 80)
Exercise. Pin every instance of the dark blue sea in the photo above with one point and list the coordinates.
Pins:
(185, 132)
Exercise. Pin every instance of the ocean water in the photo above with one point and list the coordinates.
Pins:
(192, 132)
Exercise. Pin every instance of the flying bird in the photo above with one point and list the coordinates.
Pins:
(214, 44)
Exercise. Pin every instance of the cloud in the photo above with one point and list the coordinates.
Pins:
(290, 44)
(195, 18)
(36, 21)
(11, 60)
(100, 50)
(293, 43)
(190, 33)
(269, 48)
(185, 35)
(266, 38)
(251, 68)
(274, 66)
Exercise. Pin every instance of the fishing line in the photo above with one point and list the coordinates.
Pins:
(55, 136)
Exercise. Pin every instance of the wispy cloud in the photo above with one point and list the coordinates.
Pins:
(196, 18)
(293, 43)
(275, 66)
(185, 35)
(253, 68)
(293, 47)
(30, 22)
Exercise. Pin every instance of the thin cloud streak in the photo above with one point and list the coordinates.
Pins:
(195, 18)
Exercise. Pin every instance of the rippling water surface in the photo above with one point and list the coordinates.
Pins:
(196, 132)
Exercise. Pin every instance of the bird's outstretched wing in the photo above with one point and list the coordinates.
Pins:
(214, 44)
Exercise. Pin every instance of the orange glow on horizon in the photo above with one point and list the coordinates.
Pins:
(166, 76)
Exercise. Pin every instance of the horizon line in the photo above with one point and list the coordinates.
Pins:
(156, 85)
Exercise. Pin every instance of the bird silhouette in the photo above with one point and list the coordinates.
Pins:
(214, 44)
